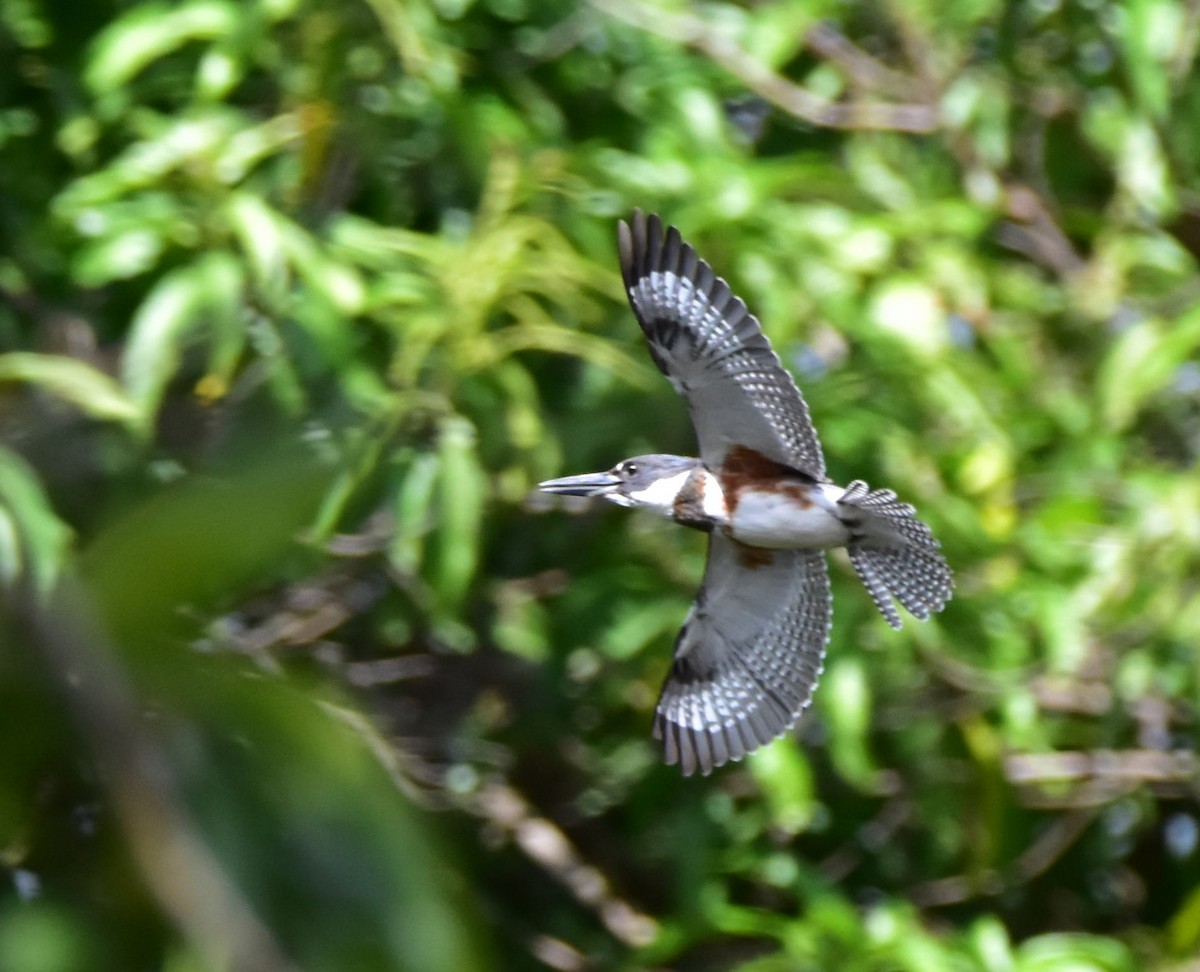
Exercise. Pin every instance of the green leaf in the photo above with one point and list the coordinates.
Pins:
(92, 391)
(44, 936)
(220, 70)
(461, 495)
(1183, 930)
(637, 623)
(846, 704)
(337, 282)
(988, 938)
(1144, 169)
(913, 313)
(520, 626)
(167, 320)
(1142, 362)
(251, 145)
(1150, 37)
(786, 780)
(227, 319)
(173, 558)
(414, 513)
(1069, 952)
(148, 32)
(33, 540)
(118, 256)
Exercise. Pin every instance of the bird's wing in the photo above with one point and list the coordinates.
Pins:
(748, 656)
(714, 352)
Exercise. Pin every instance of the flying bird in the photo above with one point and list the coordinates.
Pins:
(752, 646)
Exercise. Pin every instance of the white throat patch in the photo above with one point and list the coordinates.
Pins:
(660, 495)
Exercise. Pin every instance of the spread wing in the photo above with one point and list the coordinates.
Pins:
(749, 655)
(714, 352)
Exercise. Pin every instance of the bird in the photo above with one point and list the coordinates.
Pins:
(752, 647)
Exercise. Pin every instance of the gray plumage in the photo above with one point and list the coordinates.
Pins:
(748, 657)
(895, 554)
(714, 352)
(751, 651)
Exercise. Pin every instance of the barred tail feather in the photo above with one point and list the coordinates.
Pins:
(895, 554)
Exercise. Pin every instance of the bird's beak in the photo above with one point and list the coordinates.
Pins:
(589, 484)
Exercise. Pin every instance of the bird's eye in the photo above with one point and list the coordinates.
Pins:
(630, 469)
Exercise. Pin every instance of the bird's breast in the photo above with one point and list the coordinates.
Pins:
(787, 514)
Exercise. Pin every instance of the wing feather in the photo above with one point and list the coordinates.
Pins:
(703, 338)
(748, 657)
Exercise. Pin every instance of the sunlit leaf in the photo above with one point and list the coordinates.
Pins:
(913, 313)
(635, 625)
(34, 541)
(258, 232)
(414, 513)
(1076, 953)
(165, 323)
(1143, 361)
(786, 780)
(336, 282)
(118, 256)
(990, 942)
(148, 32)
(227, 319)
(251, 145)
(92, 391)
(846, 704)
(1152, 29)
(461, 497)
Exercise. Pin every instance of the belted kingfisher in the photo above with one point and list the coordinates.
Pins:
(752, 647)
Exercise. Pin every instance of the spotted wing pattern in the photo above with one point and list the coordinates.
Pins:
(894, 553)
(748, 657)
(714, 352)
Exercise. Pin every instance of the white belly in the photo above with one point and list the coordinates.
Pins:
(779, 520)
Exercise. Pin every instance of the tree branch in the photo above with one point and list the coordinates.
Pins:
(771, 87)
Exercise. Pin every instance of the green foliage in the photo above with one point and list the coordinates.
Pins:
(299, 303)
(33, 540)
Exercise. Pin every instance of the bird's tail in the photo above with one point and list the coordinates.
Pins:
(894, 553)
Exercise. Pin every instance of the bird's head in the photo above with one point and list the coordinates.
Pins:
(650, 482)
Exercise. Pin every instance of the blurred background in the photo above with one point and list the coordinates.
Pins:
(299, 300)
